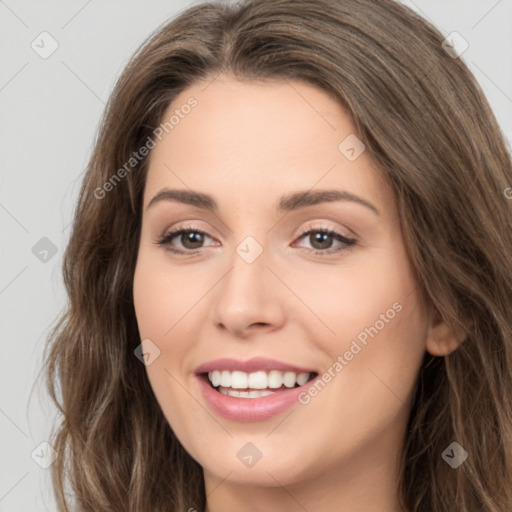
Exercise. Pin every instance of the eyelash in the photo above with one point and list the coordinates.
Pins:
(167, 238)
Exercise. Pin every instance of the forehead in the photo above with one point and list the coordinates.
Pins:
(259, 140)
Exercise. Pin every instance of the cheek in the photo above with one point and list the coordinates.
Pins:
(163, 295)
(378, 328)
(365, 298)
(161, 305)
(162, 300)
(381, 359)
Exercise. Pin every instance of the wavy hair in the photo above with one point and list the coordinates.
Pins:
(425, 123)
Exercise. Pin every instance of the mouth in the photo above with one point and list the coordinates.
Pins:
(239, 384)
(252, 390)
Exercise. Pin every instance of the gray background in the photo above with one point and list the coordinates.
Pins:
(50, 109)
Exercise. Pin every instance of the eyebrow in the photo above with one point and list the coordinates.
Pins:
(289, 202)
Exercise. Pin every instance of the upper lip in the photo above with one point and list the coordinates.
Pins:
(250, 365)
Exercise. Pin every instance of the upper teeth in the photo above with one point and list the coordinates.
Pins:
(257, 380)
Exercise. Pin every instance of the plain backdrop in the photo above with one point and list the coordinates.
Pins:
(50, 109)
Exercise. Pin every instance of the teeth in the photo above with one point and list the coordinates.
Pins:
(302, 378)
(245, 394)
(256, 380)
(215, 378)
(275, 379)
(238, 380)
(225, 379)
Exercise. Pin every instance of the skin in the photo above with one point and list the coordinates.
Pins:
(246, 144)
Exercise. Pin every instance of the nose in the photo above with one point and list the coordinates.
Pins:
(249, 298)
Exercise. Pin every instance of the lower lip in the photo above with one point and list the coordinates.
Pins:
(250, 409)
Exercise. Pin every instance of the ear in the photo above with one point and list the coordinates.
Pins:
(443, 339)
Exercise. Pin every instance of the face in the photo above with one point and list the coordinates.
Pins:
(303, 310)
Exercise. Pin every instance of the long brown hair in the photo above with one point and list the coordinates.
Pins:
(427, 126)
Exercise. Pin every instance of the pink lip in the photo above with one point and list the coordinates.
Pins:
(251, 365)
(250, 409)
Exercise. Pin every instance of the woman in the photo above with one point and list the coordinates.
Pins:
(290, 273)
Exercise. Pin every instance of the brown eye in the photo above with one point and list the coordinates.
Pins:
(321, 240)
(189, 240)
(324, 240)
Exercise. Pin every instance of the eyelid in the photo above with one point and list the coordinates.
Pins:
(321, 226)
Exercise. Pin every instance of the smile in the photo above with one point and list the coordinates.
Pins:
(256, 384)
(254, 390)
